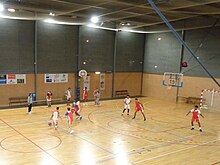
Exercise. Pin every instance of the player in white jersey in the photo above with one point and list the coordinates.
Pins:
(55, 117)
(127, 102)
(77, 108)
(68, 96)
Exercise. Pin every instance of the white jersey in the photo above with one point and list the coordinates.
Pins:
(55, 115)
(127, 101)
(68, 94)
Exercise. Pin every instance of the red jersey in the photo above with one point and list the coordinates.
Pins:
(195, 113)
(85, 94)
(49, 95)
(69, 114)
(139, 106)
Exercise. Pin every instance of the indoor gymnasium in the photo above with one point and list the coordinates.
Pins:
(109, 82)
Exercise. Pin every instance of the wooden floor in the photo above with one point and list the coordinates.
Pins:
(105, 137)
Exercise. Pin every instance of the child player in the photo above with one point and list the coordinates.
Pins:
(139, 108)
(49, 97)
(68, 96)
(85, 96)
(69, 115)
(195, 117)
(77, 108)
(127, 102)
(55, 117)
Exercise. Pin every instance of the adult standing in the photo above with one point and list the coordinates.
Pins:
(30, 102)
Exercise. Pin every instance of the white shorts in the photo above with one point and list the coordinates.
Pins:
(48, 99)
(126, 106)
(68, 98)
(55, 121)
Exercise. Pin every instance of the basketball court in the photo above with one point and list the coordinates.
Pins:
(103, 136)
(57, 53)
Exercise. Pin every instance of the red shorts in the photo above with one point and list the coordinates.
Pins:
(77, 110)
(85, 97)
(195, 119)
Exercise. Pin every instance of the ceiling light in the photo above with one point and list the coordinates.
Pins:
(1, 7)
(97, 72)
(94, 19)
(159, 39)
(11, 10)
(84, 63)
(155, 66)
(52, 14)
(87, 40)
(49, 20)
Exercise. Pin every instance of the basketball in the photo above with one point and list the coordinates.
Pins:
(49, 123)
(184, 64)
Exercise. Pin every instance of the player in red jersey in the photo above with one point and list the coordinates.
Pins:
(139, 108)
(69, 115)
(85, 95)
(195, 117)
(49, 97)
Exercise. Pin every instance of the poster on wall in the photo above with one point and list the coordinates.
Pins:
(86, 83)
(102, 81)
(21, 78)
(3, 78)
(13, 79)
(56, 78)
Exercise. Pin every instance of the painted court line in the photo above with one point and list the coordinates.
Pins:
(103, 149)
(170, 153)
(31, 142)
(141, 150)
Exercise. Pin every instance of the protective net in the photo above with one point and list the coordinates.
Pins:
(210, 99)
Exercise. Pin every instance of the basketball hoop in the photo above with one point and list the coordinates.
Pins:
(83, 74)
(173, 80)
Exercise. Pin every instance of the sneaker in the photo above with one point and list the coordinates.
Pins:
(80, 118)
(128, 114)
(133, 118)
(71, 131)
(122, 114)
(200, 130)
(192, 128)
(145, 119)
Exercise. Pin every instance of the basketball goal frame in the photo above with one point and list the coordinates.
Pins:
(83, 73)
(173, 79)
(202, 99)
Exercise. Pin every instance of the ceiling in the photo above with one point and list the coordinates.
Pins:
(136, 15)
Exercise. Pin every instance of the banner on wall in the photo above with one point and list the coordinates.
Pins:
(12, 79)
(21, 78)
(56, 78)
(86, 82)
(102, 81)
(3, 79)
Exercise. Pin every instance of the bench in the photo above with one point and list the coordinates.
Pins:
(193, 100)
(45, 101)
(23, 100)
(121, 93)
(18, 100)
